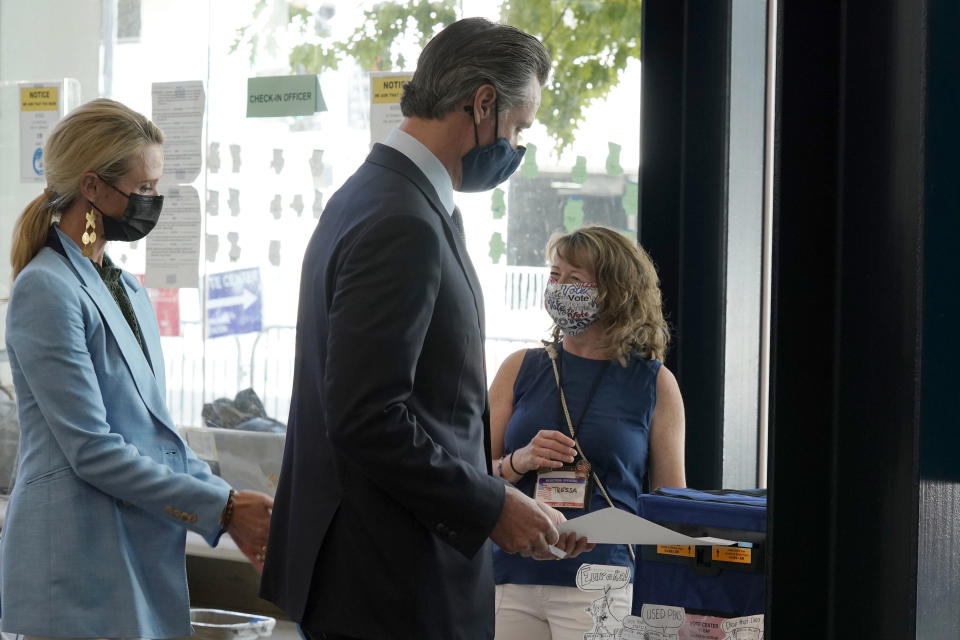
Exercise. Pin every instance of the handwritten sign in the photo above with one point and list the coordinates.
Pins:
(745, 628)
(634, 628)
(662, 616)
(598, 577)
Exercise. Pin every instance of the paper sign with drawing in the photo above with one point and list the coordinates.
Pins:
(612, 584)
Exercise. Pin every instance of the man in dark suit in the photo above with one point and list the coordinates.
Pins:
(386, 503)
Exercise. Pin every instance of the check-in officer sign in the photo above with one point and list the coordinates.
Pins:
(271, 96)
(234, 303)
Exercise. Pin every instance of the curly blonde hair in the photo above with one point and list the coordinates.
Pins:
(631, 310)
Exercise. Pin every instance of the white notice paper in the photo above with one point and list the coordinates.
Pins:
(178, 111)
(173, 247)
(386, 89)
(40, 107)
(615, 526)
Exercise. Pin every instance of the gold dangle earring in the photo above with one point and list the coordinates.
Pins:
(89, 234)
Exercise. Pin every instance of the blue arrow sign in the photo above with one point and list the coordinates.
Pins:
(234, 303)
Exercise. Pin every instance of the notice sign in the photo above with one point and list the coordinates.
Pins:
(173, 247)
(386, 89)
(178, 111)
(39, 111)
(284, 96)
(234, 303)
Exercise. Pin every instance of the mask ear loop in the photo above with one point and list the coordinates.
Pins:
(125, 195)
(496, 121)
(476, 136)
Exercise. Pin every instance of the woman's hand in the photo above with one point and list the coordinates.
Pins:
(250, 525)
(549, 449)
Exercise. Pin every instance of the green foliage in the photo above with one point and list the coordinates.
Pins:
(631, 198)
(529, 167)
(613, 159)
(579, 172)
(497, 204)
(573, 214)
(497, 247)
(372, 44)
(590, 42)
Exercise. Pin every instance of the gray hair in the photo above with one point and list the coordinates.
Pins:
(468, 54)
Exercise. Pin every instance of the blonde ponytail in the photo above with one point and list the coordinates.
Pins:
(30, 232)
(101, 136)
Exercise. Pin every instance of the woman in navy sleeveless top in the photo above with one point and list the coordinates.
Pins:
(626, 411)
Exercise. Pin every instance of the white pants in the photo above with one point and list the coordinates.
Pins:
(544, 612)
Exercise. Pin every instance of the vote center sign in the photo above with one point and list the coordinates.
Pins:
(234, 303)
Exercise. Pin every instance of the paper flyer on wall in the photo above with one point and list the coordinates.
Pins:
(386, 89)
(39, 111)
(674, 623)
(178, 111)
(173, 247)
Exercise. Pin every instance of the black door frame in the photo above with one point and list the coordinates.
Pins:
(863, 399)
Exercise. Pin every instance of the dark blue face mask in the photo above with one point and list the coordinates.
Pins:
(484, 167)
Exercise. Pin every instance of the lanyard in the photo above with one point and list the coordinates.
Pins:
(574, 427)
(552, 351)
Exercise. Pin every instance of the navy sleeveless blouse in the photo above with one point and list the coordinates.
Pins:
(614, 435)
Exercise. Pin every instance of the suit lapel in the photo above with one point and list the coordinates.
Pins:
(140, 370)
(390, 158)
(467, 265)
(149, 331)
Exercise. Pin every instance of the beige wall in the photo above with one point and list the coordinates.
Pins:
(40, 40)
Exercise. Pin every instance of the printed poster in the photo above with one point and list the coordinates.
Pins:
(386, 89)
(39, 111)
(178, 111)
(173, 247)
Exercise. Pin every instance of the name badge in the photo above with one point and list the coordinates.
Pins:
(565, 488)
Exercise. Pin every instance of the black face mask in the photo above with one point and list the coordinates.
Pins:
(139, 218)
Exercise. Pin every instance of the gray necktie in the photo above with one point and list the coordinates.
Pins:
(457, 221)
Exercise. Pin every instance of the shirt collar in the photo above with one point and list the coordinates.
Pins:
(428, 163)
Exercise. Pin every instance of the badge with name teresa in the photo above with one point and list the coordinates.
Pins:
(565, 488)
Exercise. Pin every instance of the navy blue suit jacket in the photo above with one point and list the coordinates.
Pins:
(385, 501)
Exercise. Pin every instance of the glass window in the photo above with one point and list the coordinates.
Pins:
(265, 179)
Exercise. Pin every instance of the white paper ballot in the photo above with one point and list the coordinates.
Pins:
(615, 526)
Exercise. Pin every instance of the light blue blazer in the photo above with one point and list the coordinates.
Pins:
(94, 536)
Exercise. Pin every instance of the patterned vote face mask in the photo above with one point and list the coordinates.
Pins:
(573, 306)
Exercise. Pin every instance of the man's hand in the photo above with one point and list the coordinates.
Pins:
(524, 527)
(568, 542)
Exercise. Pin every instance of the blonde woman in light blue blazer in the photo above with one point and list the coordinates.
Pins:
(94, 536)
